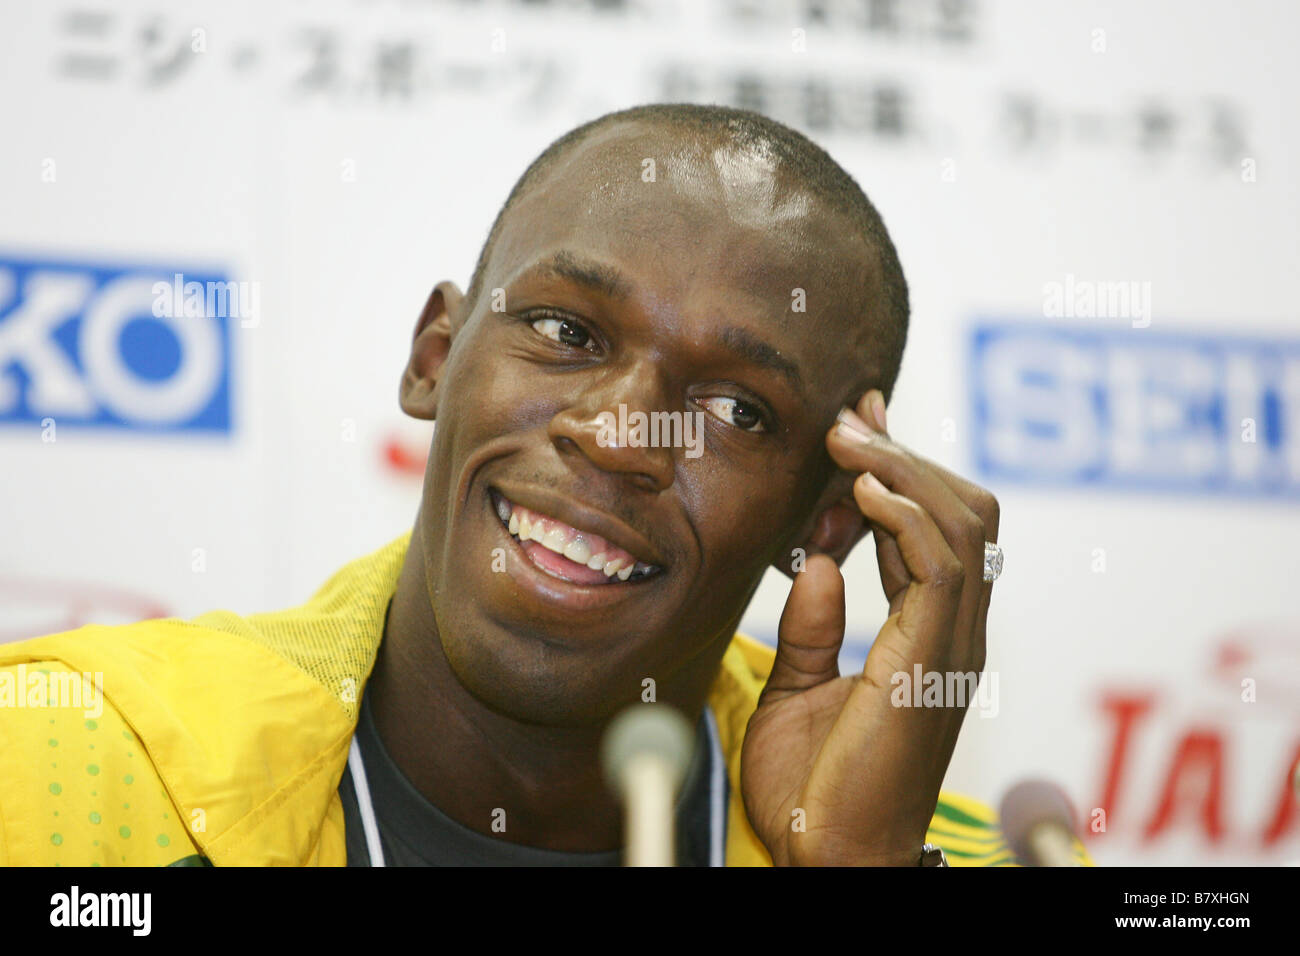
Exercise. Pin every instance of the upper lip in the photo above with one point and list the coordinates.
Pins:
(584, 518)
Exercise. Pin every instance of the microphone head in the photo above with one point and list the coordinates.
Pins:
(1029, 804)
(656, 730)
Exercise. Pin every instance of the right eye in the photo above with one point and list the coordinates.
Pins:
(562, 330)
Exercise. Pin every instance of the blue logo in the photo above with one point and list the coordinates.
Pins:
(114, 346)
(1136, 409)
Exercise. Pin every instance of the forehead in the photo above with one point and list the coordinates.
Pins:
(686, 219)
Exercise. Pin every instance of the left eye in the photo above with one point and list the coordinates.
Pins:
(734, 412)
(564, 331)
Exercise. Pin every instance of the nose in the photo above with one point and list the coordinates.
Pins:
(600, 424)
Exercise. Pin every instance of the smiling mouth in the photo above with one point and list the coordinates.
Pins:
(568, 553)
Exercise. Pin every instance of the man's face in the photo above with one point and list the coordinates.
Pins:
(674, 295)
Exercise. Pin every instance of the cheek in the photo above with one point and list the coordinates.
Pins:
(490, 391)
(748, 518)
(472, 379)
(738, 522)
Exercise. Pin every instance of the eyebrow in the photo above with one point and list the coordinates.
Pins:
(588, 273)
(750, 347)
(608, 281)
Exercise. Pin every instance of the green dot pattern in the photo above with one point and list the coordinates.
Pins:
(115, 812)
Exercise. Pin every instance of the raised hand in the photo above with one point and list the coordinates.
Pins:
(831, 771)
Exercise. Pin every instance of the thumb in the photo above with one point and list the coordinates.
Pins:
(811, 630)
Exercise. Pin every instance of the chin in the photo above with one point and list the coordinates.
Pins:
(529, 679)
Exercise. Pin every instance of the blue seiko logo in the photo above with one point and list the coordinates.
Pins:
(1136, 408)
(118, 346)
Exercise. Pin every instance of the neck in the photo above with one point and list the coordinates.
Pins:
(473, 762)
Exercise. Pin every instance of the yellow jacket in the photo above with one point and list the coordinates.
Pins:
(222, 739)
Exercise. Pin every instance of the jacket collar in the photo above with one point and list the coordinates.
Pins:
(241, 722)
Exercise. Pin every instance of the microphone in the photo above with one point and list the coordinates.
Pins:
(646, 752)
(1038, 822)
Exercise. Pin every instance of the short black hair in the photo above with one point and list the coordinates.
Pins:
(793, 154)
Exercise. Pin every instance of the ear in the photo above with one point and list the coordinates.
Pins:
(836, 530)
(439, 322)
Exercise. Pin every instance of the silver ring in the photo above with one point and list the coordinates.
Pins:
(992, 561)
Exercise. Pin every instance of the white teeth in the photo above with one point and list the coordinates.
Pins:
(553, 540)
(532, 528)
(578, 551)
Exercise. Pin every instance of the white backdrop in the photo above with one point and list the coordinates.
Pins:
(1029, 158)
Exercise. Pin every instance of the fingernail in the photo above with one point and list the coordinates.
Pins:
(872, 483)
(853, 427)
(877, 400)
